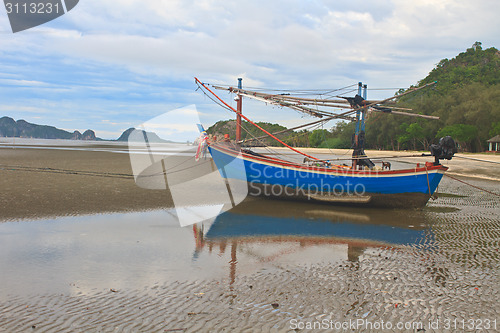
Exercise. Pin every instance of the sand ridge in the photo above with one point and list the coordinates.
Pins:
(452, 274)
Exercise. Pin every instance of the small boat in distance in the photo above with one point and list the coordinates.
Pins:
(320, 180)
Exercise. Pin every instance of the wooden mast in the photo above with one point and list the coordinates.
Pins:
(363, 112)
(239, 104)
(356, 133)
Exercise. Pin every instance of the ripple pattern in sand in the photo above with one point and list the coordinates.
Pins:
(453, 273)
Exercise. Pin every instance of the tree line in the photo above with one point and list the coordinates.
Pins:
(466, 98)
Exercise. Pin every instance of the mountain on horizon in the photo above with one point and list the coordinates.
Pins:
(152, 137)
(23, 129)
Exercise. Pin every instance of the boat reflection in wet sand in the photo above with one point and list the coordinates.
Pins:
(283, 232)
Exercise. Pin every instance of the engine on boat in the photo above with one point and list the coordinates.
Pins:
(444, 150)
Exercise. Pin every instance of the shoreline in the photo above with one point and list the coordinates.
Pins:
(39, 183)
(126, 273)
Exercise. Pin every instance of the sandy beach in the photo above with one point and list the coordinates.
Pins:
(40, 183)
(123, 279)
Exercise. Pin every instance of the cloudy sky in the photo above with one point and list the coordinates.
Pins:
(110, 65)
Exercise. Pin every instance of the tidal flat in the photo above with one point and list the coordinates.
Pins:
(82, 249)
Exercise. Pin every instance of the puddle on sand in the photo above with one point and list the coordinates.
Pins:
(257, 266)
(135, 250)
(85, 254)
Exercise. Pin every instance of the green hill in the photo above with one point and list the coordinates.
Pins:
(248, 131)
(466, 98)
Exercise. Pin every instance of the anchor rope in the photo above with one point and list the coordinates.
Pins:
(477, 187)
(476, 159)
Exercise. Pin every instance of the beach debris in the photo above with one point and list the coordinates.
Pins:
(200, 295)
(113, 290)
(196, 313)
(275, 305)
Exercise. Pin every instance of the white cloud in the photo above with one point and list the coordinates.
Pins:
(142, 55)
(24, 83)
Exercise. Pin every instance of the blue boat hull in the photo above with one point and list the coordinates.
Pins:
(277, 178)
(233, 225)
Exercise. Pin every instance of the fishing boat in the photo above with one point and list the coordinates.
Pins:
(360, 182)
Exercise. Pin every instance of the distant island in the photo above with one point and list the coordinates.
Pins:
(23, 129)
(152, 137)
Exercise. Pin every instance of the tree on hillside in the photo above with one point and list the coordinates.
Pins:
(467, 92)
(495, 130)
(317, 136)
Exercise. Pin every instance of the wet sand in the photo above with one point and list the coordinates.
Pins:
(444, 279)
(450, 277)
(38, 183)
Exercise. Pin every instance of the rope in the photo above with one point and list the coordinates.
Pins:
(65, 171)
(477, 187)
(264, 145)
(251, 122)
(298, 91)
(476, 159)
(428, 184)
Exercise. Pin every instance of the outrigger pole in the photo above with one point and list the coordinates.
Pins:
(355, 110)
(363, 107)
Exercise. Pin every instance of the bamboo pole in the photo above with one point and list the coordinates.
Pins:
(349, 112)
(300, 126)
(313, 100)
(407, 114)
